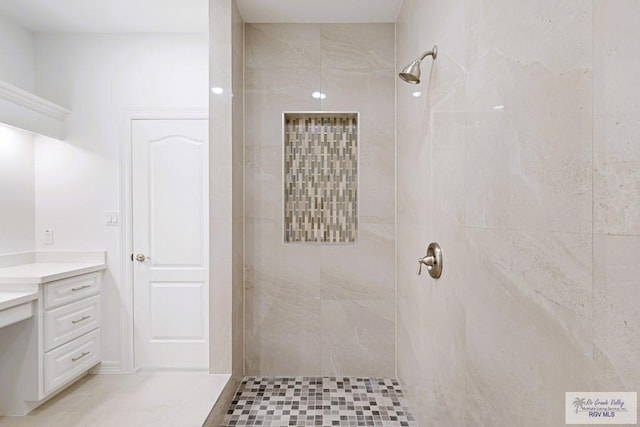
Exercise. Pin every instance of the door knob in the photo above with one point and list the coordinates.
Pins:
(142, 258)
(433, 261)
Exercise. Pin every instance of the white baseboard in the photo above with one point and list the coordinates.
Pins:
(107, 367)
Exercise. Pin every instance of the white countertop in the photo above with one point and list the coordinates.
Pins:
(42, 272)
(11, 299)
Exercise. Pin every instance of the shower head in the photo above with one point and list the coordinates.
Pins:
(411, 73)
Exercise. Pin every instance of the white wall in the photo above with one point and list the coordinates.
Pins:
(17, 186)
(101, 77)
(17, 190)
(16, 54)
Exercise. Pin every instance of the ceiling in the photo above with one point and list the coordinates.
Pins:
(319, 10)
(109, 16)
(182, 16)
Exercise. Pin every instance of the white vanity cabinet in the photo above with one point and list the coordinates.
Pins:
(41, 355)
(71, 321)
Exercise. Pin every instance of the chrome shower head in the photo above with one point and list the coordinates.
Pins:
(411, 73)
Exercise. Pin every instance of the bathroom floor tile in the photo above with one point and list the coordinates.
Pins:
(319, 401)
(129, 400)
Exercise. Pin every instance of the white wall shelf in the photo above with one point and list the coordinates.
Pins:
(27, 111)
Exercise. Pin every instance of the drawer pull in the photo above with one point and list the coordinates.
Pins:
(84, 353)
(80, 288)
(80, 319)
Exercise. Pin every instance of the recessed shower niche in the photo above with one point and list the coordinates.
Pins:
(320, 177)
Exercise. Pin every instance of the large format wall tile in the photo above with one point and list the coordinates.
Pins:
(274, 46)
(454, 177)
(282, 332)
(415, 177)
(616, 208)
(616, 118)
(616, 194)
(264, 195)
(357, 338)
(361, 271)
(347, 290)
(238, 213)
(495, 162)
(557, 35)
(543, 84)
(269, 93)
(282, 304)
(617, 314)
(482, 177)
(540, 135)
(357, 46)
(413, 290)
(371, 94)
(410, 371)
(431, 333)
(519, 352)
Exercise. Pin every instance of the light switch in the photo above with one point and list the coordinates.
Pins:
(48, 236)
(112, 217)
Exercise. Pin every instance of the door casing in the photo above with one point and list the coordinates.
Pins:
(125, 285)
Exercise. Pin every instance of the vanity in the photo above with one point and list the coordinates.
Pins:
(49, 324)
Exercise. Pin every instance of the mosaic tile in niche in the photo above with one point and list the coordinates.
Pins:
(321, 177)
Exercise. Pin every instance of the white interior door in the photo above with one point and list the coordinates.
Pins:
(170, 244)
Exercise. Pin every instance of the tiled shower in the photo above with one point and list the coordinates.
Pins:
(315, 307)
(517, 153)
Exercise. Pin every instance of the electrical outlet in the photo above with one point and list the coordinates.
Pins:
(48, 236)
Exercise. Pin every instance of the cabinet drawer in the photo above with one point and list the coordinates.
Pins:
(65, 323)
(66, 362)
(72, 289)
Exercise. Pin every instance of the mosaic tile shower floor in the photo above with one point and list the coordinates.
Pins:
(319, 401)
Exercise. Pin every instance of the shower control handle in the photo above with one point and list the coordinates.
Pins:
(429, 261)
(432, 260)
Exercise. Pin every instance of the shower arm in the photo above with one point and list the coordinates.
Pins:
(433, 52)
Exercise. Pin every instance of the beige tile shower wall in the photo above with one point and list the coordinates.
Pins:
(524, 143)
(226, 184)
(319, 309)
(237, 186)
(616, 205)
